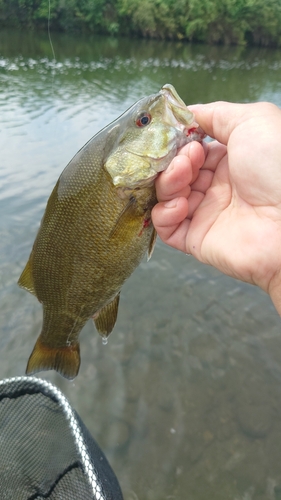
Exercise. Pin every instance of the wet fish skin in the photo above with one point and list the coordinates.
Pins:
(97, 226)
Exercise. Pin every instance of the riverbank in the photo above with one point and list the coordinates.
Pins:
(237, 22)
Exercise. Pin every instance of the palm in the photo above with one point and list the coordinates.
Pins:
(230, 233)
(228, 206)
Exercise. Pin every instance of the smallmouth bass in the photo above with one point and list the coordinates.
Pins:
(97, 225)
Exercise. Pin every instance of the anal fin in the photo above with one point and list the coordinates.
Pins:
(105, 319)
(26, 279)
(65, 360)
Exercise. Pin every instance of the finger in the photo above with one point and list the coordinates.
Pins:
(170, 222)
(219, 119)
(194, 201)
(196, 152)
(203, 182)
(214, 154)
(175, 181)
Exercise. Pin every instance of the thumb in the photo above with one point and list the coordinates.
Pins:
(219, 119)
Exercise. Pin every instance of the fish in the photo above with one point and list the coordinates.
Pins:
(97, 225)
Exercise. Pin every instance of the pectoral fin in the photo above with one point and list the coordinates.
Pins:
(151, 244)
(124, 218)
(105, 319)
(26, 279)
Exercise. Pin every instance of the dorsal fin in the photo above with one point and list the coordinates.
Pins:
(26, 279)
(105, 319)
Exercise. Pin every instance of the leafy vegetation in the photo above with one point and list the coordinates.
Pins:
(211, 21)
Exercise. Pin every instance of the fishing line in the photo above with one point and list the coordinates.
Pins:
(49, 33)
(53, 51)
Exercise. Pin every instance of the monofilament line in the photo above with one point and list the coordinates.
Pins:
(49, 33)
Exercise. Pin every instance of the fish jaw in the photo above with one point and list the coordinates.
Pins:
(185, 120)
(177, 114)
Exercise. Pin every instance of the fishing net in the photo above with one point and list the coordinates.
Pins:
(46, 452)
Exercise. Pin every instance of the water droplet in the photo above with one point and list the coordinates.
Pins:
(104, 340)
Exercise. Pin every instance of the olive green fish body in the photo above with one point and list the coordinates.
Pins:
(97, 228)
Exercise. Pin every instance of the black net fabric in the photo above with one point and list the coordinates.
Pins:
(46, 452)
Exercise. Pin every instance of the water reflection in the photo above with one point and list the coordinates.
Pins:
(185, 398)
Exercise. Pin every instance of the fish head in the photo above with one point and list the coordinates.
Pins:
(150, 134)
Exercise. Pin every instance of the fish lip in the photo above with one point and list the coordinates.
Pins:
(188, 126)
(177, 106)
(170, 92)
(195, 133)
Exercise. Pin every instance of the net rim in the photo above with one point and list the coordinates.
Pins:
(54, 393)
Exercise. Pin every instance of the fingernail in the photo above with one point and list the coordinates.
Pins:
(171, 203)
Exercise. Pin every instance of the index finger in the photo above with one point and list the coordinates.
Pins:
(183, 170)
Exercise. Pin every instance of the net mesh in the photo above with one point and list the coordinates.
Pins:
(46, 450)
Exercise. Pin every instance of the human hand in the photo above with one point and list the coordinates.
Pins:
(221, 202)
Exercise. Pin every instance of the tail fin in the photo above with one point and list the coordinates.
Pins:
(65, 360)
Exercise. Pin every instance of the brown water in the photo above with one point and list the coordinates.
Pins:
(185, 399)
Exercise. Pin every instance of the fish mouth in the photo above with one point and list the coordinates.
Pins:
(185, 120)
(177, 107)
(169, 91)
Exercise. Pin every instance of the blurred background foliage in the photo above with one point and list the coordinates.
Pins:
(210, 21)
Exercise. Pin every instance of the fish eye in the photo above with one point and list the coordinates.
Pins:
(143, 119)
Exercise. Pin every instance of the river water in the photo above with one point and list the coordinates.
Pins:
(185, 399)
